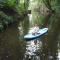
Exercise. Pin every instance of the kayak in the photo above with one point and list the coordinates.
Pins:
(31, 36)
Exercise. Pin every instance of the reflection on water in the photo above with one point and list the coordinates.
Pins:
(35, 49)
(10, 46)
(32, 50)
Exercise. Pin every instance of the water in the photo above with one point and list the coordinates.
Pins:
(12, 44)
(32, 49)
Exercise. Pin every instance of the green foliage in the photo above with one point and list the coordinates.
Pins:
(16, 5)
(4, 20)
(39, 20)
(10, 3)
(22, 6)
(57, 6)
(10, 9)
(47, 3)
(52, 4)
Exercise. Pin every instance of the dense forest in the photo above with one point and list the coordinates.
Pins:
(48, 14)
(11, 11)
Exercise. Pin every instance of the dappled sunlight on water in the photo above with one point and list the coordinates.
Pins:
(32, 48)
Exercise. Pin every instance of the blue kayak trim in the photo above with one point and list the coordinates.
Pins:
(29, 36)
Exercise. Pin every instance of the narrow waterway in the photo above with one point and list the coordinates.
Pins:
(29, 50)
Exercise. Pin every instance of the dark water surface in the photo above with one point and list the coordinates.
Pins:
(35, 49)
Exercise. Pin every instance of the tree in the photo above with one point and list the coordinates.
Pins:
(54, 30)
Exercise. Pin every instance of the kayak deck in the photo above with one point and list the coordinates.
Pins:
(41, 32)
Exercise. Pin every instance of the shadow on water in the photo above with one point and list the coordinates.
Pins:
(11, 48)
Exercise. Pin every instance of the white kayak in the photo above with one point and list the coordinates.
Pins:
(41, 32)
